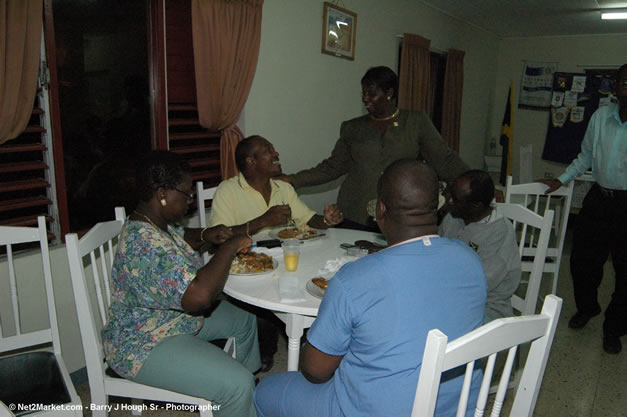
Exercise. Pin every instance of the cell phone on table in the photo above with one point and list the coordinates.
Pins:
(270, 243)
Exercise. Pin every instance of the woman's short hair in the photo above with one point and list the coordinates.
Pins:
(382, 77)
(159, 169)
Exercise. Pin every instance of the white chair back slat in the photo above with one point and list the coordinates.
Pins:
(528, 221)
(485, 386)
(91, 315)
(499, 399)
(430, 375)
(105, 272)
(13, 289)
(465, 394)
(120, 213)
(486, 341)
(203, 195)
(10, 236)
(532, 195)
(22, 273)
(47, 269)
(96, 280)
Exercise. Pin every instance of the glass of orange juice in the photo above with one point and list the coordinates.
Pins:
(291, 253)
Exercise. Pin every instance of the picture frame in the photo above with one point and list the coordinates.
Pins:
(339, 30)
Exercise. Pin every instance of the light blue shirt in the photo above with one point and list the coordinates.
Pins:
(377, 312)
(604, 149)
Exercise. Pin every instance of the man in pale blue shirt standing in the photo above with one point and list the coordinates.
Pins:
(601, 226)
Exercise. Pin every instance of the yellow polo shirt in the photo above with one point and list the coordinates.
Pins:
(236, 202)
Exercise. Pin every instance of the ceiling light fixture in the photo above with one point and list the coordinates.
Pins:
(614, 14)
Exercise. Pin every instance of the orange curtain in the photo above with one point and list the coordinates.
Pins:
(413, 89)
(226, 36)
(452, 98)
(20, 41)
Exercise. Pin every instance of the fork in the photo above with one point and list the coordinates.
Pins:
(291, 222)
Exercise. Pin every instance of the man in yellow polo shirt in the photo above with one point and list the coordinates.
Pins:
(252, 201)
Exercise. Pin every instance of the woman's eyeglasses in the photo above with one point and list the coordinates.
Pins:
(190, 196)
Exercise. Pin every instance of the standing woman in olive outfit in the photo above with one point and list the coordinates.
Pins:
(369, 143)
(165, 304)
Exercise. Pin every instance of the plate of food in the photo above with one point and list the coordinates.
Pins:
(303, 233)
(317, 286)
(253, 263)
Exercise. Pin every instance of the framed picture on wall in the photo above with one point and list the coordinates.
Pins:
(339, 29)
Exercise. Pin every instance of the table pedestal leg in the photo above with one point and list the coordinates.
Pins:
(294, 325)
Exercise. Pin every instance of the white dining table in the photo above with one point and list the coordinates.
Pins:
(263, 290)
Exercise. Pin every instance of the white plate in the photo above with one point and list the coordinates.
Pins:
(274, 234)
(275, 265)
(314, 290)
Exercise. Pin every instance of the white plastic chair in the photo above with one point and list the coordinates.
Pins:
(533, 231)
(97, 248)
(531, 195)
(204, 194)
(30, 374)
(496, 336)
(4, 411)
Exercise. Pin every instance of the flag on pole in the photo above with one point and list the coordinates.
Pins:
(507, 136)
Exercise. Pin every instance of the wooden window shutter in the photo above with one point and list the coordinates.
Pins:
(198, 145)
(25, 185)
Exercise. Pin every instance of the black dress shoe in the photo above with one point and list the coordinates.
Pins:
(266, 364)
(612, 345)
(581, 319)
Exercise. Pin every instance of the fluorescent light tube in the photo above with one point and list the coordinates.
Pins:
(615, 14)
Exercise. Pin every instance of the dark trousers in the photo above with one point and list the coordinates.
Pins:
(601, 230)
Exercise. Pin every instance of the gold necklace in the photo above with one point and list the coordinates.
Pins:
(383, 119)
(152, 223)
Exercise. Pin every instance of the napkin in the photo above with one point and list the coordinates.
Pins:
(334, 265)
(274, 252)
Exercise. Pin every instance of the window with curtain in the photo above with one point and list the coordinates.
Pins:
(106, 63)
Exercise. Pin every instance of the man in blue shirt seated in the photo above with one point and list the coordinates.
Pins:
(364, 350)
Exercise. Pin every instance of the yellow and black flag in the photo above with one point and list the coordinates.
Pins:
(507, 135)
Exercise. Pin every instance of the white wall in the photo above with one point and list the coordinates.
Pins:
(571, 53)
(300, 96)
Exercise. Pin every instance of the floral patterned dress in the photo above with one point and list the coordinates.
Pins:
(150, 274)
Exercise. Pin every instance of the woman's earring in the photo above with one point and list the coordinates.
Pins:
(164, 202)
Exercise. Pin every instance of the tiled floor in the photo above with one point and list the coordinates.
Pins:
(581, 380)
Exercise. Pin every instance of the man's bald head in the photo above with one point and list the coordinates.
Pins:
(409, 190)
